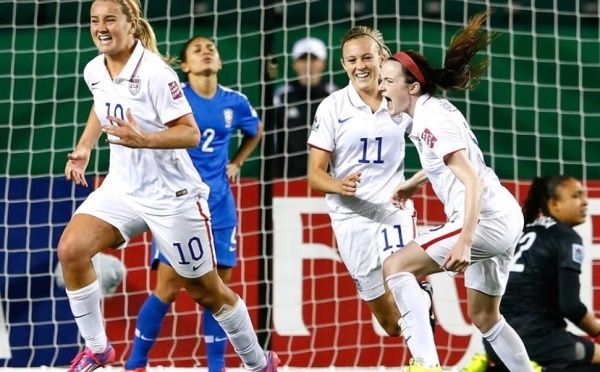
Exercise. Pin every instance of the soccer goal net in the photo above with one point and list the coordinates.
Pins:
(535, 113)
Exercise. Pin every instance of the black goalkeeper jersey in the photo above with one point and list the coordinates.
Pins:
(543, 286)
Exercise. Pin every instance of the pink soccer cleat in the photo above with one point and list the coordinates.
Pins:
(87, 361)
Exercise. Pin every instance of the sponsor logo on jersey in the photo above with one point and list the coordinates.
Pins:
(175, 90)
(428, 138)
(134, 86)
(228, 116)
(181, 192)
(578, 253)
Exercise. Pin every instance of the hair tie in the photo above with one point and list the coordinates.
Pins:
(410, 65)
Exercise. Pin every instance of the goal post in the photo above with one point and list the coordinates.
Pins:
(535, 113)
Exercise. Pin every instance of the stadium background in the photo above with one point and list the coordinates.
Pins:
(536, 113)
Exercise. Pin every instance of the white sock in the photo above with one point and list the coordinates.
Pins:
(236, 323)
(85, 305)
(509, 347)
(413, 306)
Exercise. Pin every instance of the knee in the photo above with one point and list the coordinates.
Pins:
(484, 320)
(167, 292)
(69, 252)
(210, 292)
(391, 266)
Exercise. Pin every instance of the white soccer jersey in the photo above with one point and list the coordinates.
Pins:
(439, 129)
(159, 180)
(360, 141)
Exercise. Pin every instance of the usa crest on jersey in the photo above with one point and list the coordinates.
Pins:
(134, 86)
(228, 116)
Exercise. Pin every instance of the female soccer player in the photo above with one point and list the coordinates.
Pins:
(543, 286)
(151, 185)
(357, 159)
(484, 219)
(219, 112)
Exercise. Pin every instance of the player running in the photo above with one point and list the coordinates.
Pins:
(484, 219)
(151, 185)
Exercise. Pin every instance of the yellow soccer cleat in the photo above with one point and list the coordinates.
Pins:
(479, 363)
(537, 367)
(418, 367)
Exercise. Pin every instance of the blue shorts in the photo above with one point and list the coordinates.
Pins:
(225, 241)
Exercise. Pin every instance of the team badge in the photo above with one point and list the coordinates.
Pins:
(134, 86)
(577, 253)
(228, 116)
(428, 138)
(175, 90)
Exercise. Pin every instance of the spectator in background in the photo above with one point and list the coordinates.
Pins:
(543, 286)
(219, 113)
(295, 107)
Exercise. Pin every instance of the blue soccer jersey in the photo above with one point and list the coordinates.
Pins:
(219, 117)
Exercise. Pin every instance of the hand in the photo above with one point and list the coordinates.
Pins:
(232, 171)
(405, 191)
(76, 164)
(458, 259)
(349, 184)
(128, 133)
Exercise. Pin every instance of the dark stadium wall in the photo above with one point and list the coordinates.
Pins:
(530, 105)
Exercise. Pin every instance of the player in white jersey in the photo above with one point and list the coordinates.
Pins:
(354, 136)
(151, 185)
(484, 219)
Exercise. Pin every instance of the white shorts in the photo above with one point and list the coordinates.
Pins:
(492, 250)
(185, 238)
(367, 238)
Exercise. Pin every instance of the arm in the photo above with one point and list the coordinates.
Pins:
(78, 159)
(410, 187)
(181, 133)
(570, 304)
(320, 180)
(459, 257)
(246, 147)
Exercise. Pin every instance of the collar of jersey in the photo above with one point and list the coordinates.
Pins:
(421, 102)
(357, 102)
(132, 65)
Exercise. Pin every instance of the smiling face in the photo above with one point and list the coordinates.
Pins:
(361, 61)
(111, 31)
(201, 57)
(394, 89)
(569, 206)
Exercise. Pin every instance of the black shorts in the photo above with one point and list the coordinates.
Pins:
(558, 348)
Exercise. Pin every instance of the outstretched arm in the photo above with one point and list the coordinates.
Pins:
(78, 159)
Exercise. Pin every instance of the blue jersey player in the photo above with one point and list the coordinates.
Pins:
(219, 112)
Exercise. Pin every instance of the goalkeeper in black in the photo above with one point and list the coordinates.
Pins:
(543, 286)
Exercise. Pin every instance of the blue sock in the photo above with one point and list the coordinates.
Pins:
(150, 319)
(216, 342)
